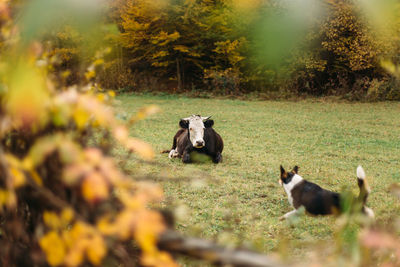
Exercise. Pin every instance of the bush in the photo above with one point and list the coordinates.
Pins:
(63, 199)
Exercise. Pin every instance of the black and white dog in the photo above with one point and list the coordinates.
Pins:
(316, 200)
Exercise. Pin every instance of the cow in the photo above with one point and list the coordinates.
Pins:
(196, 134)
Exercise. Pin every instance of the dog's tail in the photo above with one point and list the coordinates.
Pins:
(364, 190)
(165, 151)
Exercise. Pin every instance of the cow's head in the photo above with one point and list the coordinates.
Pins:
(196, 125)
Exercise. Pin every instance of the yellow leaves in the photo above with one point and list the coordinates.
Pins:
(54, 248)
(18, 177)
(66, 216)
(7, 198)
(124, 224)
(231, 49)
(146, 234)
(244, 5)
(163, 38)
(98, 62)
(69, 245)
(51, 220)
(15, 171)
(181, 48)
(81, 117)
(111, 93)
(27, 96)
(143, 149)
(44, 146)
(97, 250)
(121, 227)
(90, 74)
(83, 240)
(57, 222)
(94, 187)
(391, 67)
(36, 178)
(160, 54)
(161, 64)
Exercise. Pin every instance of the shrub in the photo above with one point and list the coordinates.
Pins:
(63, 200)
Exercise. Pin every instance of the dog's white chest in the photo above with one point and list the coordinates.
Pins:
(289, 186)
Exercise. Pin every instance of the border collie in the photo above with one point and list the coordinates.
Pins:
(316, 200)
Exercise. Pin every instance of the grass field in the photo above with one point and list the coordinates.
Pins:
(239, 201)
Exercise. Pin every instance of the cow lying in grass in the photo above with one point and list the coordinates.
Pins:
(197, 135)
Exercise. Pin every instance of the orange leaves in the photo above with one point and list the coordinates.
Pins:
(135, 198)
(94, 187)
(122, 226)
(120, 133)
(144, 226)
(144, 112)
(146, 235)
(141, 148)
(96, 172)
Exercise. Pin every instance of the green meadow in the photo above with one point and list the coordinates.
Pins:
(239, 201)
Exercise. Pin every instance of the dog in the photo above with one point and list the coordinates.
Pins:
(315, 199)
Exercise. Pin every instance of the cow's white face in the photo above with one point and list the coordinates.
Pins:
(196, 128)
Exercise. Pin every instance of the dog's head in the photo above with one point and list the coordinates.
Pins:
(286, 177)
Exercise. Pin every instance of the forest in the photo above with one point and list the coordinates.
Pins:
(231, 47)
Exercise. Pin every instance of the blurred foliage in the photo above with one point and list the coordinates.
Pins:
(63, 199)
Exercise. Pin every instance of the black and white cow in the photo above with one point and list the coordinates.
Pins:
(197, 134)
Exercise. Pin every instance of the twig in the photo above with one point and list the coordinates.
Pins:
(175, 243)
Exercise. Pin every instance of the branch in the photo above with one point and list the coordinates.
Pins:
(175, 243)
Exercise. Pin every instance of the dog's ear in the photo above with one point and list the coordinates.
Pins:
(295, 169)
(208, 123)
(184, 123)
(283, 173)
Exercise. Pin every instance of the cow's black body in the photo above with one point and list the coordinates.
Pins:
(213, 144)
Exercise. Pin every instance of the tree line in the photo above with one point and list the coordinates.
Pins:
(235, 47)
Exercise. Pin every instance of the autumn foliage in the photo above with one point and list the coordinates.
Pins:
(233, 47)
(63, 199)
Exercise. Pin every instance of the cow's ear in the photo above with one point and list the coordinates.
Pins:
(283, 173)
(184, 124)
(295, 169)
(208, 123)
